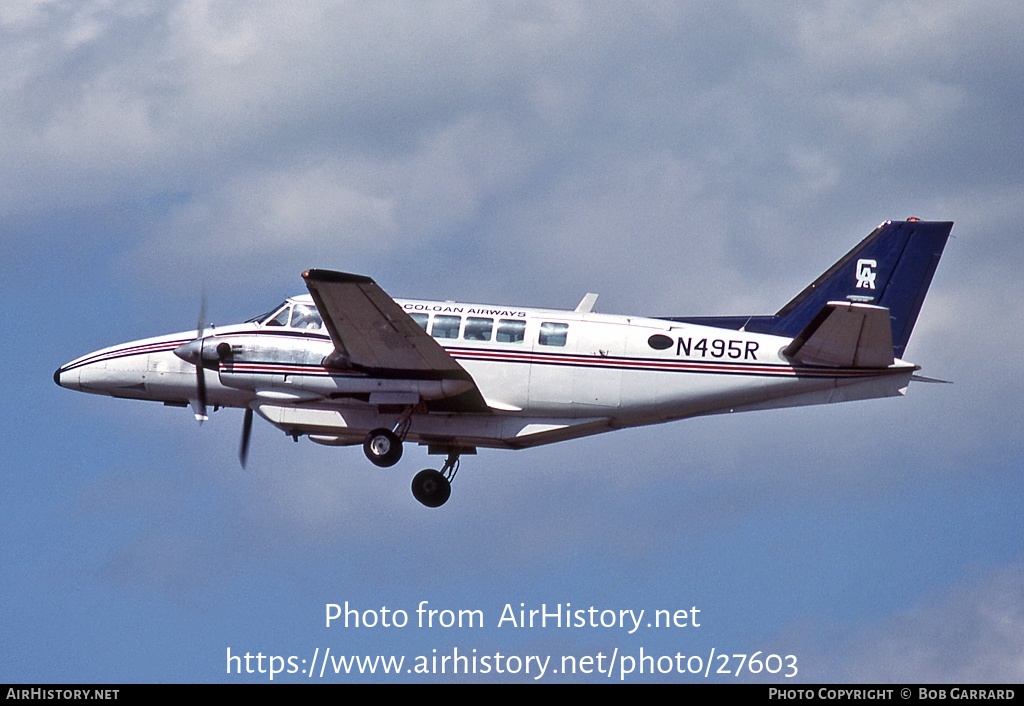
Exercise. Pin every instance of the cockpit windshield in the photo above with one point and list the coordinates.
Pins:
(300, 316)
(262, 317)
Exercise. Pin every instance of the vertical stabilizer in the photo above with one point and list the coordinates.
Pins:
(890, 268)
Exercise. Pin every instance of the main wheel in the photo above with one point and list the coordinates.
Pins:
(431, 488)
(382, 447)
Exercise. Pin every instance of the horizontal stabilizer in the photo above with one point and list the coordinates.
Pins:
(846, 335)
(922, 378)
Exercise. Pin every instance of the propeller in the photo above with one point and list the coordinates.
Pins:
(200, 411)
(243, 449)
(192, 352)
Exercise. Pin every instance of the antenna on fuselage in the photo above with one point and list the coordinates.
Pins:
(586, 304)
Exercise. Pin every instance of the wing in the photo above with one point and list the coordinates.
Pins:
(372, 333)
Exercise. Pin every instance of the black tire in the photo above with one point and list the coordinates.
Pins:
(431, 488)
(382, 447)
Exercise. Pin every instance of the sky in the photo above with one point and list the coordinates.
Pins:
(678, 158)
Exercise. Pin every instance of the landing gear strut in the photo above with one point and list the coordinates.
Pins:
(433, 488)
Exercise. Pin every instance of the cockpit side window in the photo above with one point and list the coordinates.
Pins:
(306, 317)
(300, 316)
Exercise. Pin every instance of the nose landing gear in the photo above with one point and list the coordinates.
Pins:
(433, 488)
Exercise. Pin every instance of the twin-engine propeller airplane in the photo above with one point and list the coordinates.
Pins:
(346, 364)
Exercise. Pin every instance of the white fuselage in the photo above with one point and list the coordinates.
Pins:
(545, 376)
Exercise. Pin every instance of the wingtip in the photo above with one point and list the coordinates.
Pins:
(314, 275)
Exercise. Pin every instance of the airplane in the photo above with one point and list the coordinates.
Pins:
(347, 365)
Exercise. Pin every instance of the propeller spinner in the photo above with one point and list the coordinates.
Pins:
(197, 352)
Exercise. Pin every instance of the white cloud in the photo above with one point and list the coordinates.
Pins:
(974, 633)
(434, 120)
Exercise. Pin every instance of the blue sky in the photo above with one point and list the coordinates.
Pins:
(677, 158)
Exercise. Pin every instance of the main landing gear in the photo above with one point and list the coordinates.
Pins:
(384, 449)
(433, 488)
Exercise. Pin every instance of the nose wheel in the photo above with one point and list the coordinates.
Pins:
(433, 488)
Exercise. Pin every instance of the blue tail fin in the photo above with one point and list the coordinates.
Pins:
(891, 268)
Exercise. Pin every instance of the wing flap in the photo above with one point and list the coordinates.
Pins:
(846, 335)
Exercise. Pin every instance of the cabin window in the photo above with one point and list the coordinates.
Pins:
(552, 334)
(511, 331)
(421, 320)
(478, 329)
(446, 326)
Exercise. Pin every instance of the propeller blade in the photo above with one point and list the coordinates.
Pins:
(201, 326)
(243, 450)
(200, 407)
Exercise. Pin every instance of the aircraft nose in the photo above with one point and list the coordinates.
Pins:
(65, 378)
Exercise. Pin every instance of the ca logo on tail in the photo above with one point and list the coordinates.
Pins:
(866, 274)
